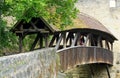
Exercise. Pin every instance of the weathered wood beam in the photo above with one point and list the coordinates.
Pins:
(52, 41)
(68, 36)
(58, 42)
(35, 42)
(21, 27)
(98, 41)
(78, 40)
(111, 46)
(92, 41)
(41, 40)
(57, 37)
(33, 30)
(46, 40)
(107, 45)
(75, 39)
(87, 38)
(36, 21)
(33, 25)
(20, 42)
(71, 38)
(106, 66)
(64, 40)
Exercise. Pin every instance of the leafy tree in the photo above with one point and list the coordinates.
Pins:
(58, 12)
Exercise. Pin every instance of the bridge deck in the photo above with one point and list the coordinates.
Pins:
(73, 56)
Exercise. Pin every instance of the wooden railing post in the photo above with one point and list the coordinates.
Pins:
(20, 42)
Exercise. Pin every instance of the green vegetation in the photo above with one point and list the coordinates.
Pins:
(58, 12)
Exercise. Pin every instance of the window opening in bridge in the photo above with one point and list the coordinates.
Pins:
(82, 40)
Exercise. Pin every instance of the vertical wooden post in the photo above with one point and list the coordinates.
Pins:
(41, 40)
(59, 41)
(71, 38)
(35, 42)
(52, 41)
(46, 40)
(87, 38)
(106, 66)
(64, 40)
(78, 40)
(111, 46)
(20, 42)
(75, 39)
(98, 41)
(107, 45)
(57, 38)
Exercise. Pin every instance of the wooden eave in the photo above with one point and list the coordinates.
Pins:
(19, 27)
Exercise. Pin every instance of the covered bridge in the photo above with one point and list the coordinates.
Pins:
(86, 42)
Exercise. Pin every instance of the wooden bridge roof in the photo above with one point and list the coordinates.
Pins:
(86, 23)
(33, 26)
(82, 23)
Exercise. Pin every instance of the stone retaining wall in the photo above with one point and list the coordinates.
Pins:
(35, 64)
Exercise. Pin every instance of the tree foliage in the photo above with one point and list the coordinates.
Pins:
(58, 12)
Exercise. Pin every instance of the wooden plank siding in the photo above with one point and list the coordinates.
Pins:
(78, 55)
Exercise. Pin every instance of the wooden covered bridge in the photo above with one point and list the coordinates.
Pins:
(86, 42)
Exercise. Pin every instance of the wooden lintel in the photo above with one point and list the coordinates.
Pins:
(19, 32)
(33, 30)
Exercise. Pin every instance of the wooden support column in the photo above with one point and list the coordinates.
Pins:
(20, 43)
(57, 38)
(46, 40)
(35, 42)
(64, 40)
(111, 46)
(87, 38)
(58, 43)
(75, 39)
(71, 38)
(53, 40)
(106, 66)
(41, 40)
(92, 40)
(100, 44)
(98, 41)
(78, 40)
(107, 45)
(68, 36)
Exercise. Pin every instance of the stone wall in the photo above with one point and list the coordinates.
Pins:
(36, 64)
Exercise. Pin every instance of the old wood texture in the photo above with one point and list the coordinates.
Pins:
(71, 57)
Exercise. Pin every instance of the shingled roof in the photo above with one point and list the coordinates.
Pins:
(84, 22)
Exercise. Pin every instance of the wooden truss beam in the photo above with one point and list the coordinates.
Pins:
(75, 39)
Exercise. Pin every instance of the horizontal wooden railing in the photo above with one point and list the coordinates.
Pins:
(73, 56)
